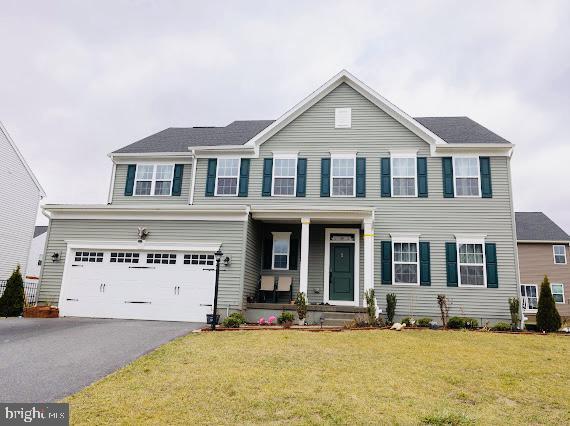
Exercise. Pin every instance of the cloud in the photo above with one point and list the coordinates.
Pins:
(85, 78)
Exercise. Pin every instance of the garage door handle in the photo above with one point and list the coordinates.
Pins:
(136, 301)
(141, 267)
(72, 300)
(208, 269)
(201, 304)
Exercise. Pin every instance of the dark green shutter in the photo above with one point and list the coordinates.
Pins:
(211, 177)
(385, 184)
(243, 177)
(267, 175)
(129, 185)
(485, 168)
(425, 267)
(325, 177)
(267, 252)
(422, 177)
(177, 181)
(301, 177)
(293, 254)
(451, 262)
(447, 168)
(491, 259)
(386, 262)
(361, 177)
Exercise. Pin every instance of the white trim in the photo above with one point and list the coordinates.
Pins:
(394, 156)
(284, 156)
(566, 243)
(368, 236)
(554, 254)
(531, 311)
(402, 239)
(455, 177)
(304, 264)
(146, 212)
(277, 236)
(201, 246)
(21, 157)
(471, 240)
(337, 214)
(112, 184)
(230, 177)
(326, 292)
(193, 177)
(339, 156)
(563, 295)
(153, 180)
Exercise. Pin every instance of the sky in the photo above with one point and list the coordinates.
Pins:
(79, 79)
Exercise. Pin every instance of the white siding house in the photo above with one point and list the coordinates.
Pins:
(20, 195)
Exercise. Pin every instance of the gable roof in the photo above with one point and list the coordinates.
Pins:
(179, 139)
(460, 130)
(536, 226)
(21, 157)
(39, 230)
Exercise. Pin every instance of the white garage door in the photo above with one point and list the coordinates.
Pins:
(149, 285)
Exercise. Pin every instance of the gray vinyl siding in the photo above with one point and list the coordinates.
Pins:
(19, 199)
(229, 233)
(252, 264)
(436, 219)
(121, 179)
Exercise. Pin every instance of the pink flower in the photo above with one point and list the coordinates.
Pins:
(261, 321)
(271, 320)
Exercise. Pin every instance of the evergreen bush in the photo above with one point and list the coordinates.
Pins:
(390, 307)
(423, 322)
(370, 297)
(547, 316)
(13, 300)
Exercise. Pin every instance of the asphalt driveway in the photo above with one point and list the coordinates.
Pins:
(42, 360)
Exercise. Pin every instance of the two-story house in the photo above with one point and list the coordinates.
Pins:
(543, 250)
(345, 192)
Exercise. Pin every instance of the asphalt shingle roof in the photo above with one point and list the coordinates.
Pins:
(178, 139)
(536, 226)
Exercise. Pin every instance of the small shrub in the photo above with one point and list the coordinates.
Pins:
(455, 323)
(286, 319)
(380, 322)
(514, 308)
(443, 308)
(370, 297)
(407, 321)
(501, 326)
(471, 323)
(234, 320)
(13, 300)
(359, 321)
(391, 301)
(423, 322)
(301, 303)
(547, 316)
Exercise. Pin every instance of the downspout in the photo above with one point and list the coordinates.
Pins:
(192, 185)
(111, 184)
(44, 257)
(514, 230)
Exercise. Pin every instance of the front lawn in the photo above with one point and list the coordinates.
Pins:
(358, 377)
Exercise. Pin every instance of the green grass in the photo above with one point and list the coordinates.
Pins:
(359, 377)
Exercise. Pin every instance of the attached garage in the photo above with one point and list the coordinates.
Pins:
(137, 281)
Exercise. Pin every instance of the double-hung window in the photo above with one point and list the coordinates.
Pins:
(406, 261)
(471, 259)
(154, 179)
(281, 248)
(557, 292)
(404, 176)
(343, 176)
(227, 176)
(529, 293)
(467, 176)
(559, 254)
(284, 175)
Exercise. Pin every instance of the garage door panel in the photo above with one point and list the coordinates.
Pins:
(165, 286)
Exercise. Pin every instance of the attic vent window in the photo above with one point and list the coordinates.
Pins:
(342, 118)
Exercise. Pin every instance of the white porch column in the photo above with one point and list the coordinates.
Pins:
(368, 257)
(304, 268)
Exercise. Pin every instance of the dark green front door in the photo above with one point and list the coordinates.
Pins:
(341, 282)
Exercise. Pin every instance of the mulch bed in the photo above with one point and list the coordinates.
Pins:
(41, 312)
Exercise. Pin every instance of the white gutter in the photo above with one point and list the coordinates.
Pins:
(192, 185)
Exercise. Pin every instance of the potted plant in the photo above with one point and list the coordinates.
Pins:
(301, 303)
(286, 319)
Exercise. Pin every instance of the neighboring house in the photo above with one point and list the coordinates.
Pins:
(543, 250)
(343, 193)
(36, 254)
(19, 200)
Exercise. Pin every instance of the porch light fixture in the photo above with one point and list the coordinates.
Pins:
(218, 255)
(55, 257)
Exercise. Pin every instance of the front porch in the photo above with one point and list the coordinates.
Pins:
(316, 314)
(325, 253)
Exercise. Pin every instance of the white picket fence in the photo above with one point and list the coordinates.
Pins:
(30, 290)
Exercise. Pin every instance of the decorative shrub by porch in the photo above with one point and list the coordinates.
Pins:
(514, 308)
(286, 318)
(407, 321)
(547, 317)
(462, 322)
(423, 322)
(13, 300)
(370, 297)
(391, 301)
(234, 320)
(501, 326)
(301, 303)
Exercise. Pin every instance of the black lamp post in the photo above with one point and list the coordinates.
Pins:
(218, 256)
